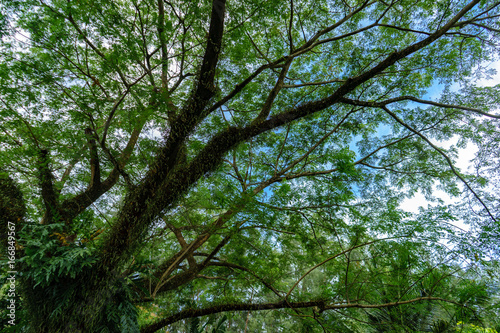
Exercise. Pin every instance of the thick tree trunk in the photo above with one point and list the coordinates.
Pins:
(86, 303)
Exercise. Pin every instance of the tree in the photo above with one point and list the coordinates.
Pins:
(179, 160)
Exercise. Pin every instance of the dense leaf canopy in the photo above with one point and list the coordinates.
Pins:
(193, 165)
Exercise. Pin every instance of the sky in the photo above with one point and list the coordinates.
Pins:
(465, 155)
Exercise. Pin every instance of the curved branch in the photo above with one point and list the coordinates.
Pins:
(327, 260)
(74, 206)
(442, 105)
(318, 304)
(165, 284)
(111, 115)
(69, 168)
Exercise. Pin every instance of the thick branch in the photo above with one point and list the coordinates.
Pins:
(49, 195)
(175, 281)
(163, 45)
(95, 171)
(266, 109)
(192, 112)
(74, 206)
(320, 304)
(205, 89)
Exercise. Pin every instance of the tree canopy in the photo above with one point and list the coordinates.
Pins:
(242, 165)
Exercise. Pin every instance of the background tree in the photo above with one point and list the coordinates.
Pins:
(181, 160)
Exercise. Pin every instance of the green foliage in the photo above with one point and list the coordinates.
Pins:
(12, 209)
(471, 328)
(47, 259)
(212, 325)
(161, 158)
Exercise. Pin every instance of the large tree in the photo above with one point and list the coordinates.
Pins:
(185, 159)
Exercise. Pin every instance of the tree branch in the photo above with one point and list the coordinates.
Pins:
(266, 108)
(74, 206)
(206, 88)
(442, 105)
(69, 168)
(312, 83)
(163, 45)
(327, 260)
(49, 195)
(320, 304)
(95, 171)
